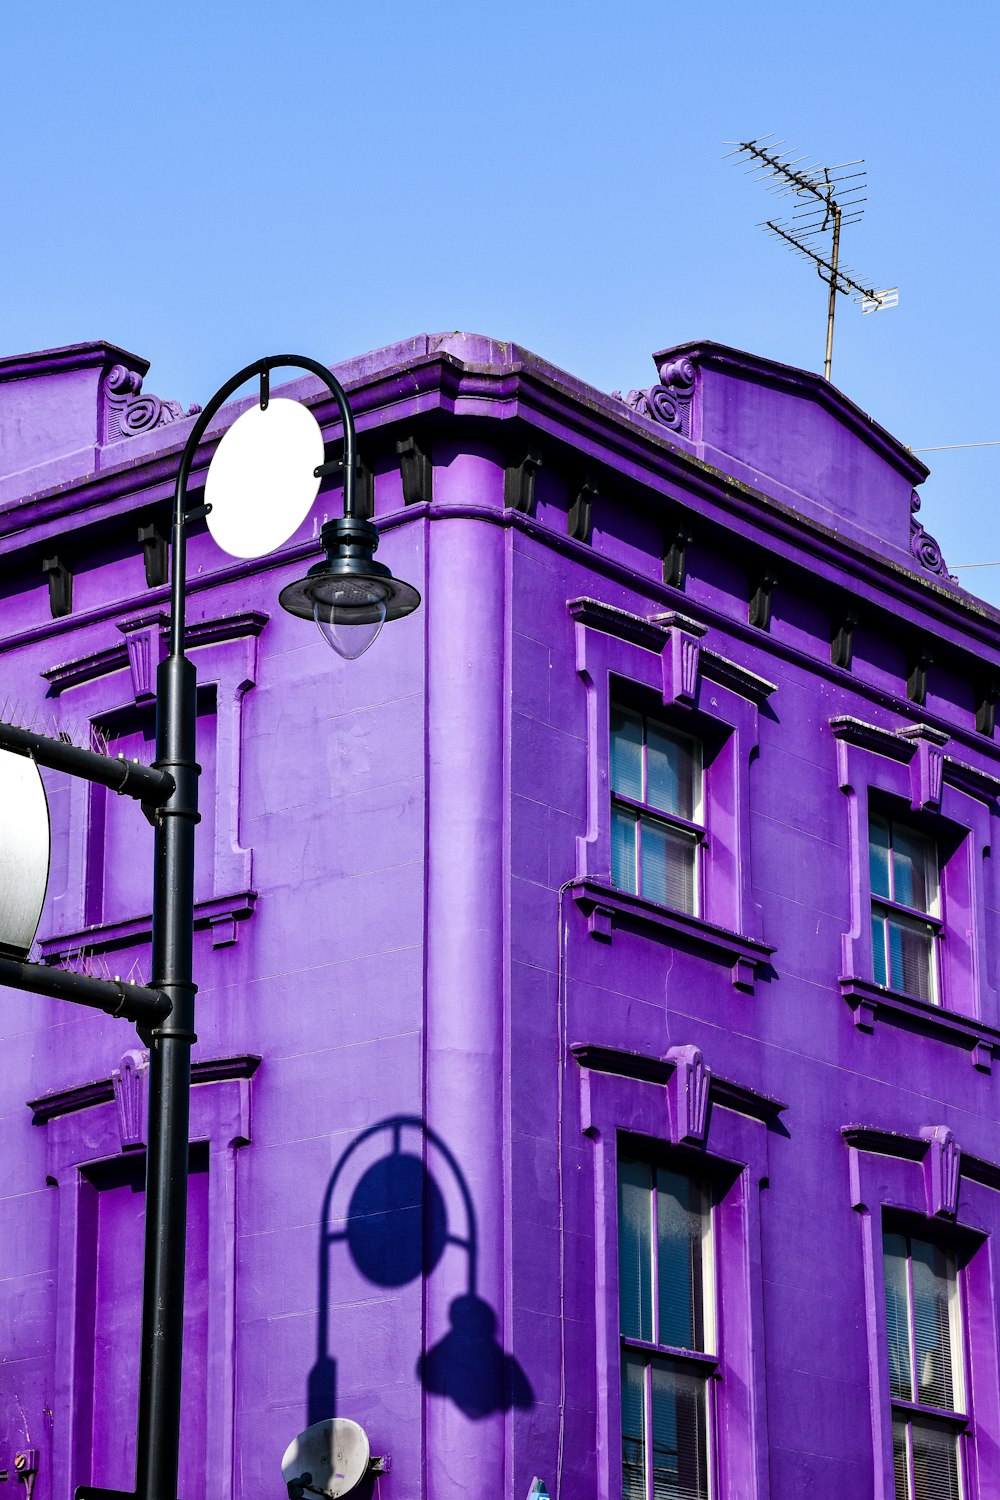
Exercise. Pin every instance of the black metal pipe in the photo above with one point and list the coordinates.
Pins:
(135, 1002)
(130, 777)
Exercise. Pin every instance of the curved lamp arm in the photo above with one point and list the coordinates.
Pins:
(261, 368)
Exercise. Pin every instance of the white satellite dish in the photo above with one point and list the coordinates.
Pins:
(260, 483)
(335, 1453)
(25, 842)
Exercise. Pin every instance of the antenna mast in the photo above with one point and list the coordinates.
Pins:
(831, 198)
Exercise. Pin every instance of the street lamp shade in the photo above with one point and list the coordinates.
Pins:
(262, 482)
(25, 843)
(348, 593)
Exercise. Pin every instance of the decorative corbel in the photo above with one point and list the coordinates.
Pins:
(687, 1095)
(759, 613)
(986, 705)
(916, 677)
(942, 1171)
(519, 484)
(675, 559)
(144, 638)
(842, 641)
(681, 658)
(60, 586)
(154, 556)
(926, 767)
(364, 492)
(416, 472)
(129, 1083)
(579, 518)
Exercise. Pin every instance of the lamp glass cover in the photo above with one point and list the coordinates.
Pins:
(350, 613)
(260, 483)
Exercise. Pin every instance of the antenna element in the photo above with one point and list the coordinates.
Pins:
(827, 199)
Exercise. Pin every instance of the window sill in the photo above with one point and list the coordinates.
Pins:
(606, 908)
(871, 1001)
(705, 1364)
(220, 914)
(943, 1415)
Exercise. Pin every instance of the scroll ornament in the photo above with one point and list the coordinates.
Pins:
(128, 411)
(923, 546)
(668, 403)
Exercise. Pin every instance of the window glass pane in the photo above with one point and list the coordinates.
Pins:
(635, 1253)
(900, 1477)
(670, 773)
(623, 865)
(896, 1319)
(878, 856)
(935, 1464)
(679, 1436)
(880, 968)
(911, 950)
(681, 1224)
(911, 868)
(668, 866)
(633, 1423)
(626, 753)
(932, 1285)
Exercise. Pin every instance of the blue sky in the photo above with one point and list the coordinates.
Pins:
(206, 183)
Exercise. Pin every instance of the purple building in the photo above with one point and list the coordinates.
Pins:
(598, 1005)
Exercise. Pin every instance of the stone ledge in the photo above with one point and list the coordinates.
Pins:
(871, 1002)
(606, 908)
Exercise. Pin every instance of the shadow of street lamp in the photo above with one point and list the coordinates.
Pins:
(396, 1231)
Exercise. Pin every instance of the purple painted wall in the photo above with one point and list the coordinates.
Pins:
(427, 1018)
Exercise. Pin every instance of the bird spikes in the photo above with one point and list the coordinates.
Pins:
(36, 720)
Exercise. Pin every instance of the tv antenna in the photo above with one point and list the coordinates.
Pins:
(826, 200)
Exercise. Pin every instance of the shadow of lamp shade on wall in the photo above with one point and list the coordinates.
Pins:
(24, 852)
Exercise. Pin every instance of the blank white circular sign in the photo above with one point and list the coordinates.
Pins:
(261, 484)
(24, 850)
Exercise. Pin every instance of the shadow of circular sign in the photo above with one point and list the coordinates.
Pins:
(397, 1224)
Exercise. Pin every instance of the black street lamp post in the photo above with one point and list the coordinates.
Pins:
(346, 591)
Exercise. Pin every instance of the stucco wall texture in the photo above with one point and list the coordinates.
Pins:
(428, 1019)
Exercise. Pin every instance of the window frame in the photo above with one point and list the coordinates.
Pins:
(647, 813)
(929, 920)
(85, 1129)
(907, 773)
(116, 686)
(634, 1116)
(653, 1353)
(893, 1186)
(912, 1411)
(628, 658)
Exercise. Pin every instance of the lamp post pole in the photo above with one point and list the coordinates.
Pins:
(158, 1429)
(342, 590)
